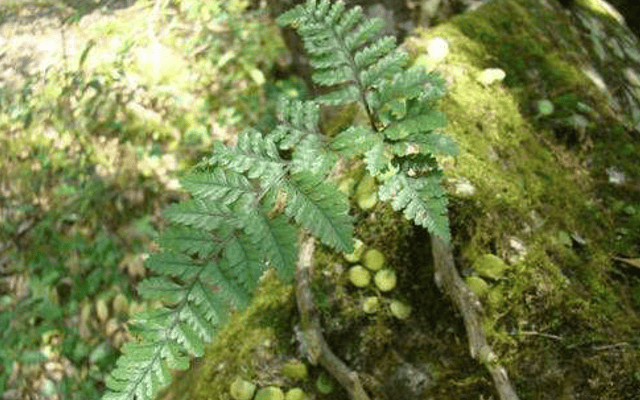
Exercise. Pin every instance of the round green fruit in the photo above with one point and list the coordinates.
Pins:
(324, 384)
(371, 304)
(366, 193)
(295, 394)
(478, 285)
(358, 249)
(270, 393)
(399, 309)
(374, 259)
(385, 279)
(242, 390)
(367, 202)
(295, 370)
(359, 276)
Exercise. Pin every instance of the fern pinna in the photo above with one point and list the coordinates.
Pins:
(249, 201)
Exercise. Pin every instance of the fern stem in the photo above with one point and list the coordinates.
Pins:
(352, 64)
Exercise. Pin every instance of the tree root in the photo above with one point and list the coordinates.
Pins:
(317, 349)
(448, 280)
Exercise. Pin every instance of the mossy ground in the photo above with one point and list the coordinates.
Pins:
(563, 318)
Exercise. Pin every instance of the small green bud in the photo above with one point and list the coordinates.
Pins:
(324, 384)
(359, 276)
(373, 259)
(242, 390)
(478, 285)
(346, 185)
(545, 107)
(399, 309)
(295, 370)
(270, 393)
(385, 279)
(371, 304)
(366, 193)
(368, 201)
(358, 249)
(295, 394)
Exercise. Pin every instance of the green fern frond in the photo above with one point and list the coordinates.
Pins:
(254, 155)
(188, 240)
(380, 48)
(422, 200)
(409, 84)
(320, 208)
(140, 373)
(144, 367)
(376, 160)
(385, 67)
(200, 214)
(311, 156)
(344, 48)
(243, 260)
(296, 120)
(276, 238)
(344, 95)
(161, 288)
(424, 122)
(431, 143)
(219, 185)
(355, 140)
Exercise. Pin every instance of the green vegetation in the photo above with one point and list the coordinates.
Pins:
(250, 200)
(93, 148)
(89, 154)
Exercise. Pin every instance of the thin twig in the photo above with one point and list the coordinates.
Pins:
(610, 346)
(318, 351)
(447, 278)
(545, 335)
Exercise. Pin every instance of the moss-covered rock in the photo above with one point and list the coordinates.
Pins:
(560, 319)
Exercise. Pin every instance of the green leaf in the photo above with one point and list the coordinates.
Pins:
(387, 66)
(363, 33)
(253, 154)
(188, 240)
(422, 199)
(368, 55)
(188, 338)
(344, 95)
(334, 76)
(297, 120)
(160, 288)
(375, 159)
(277, 239)
(310, 156)
(355, 140)
(320, 208)
(200, 214)
(415, 124)
(218, 185)
(243, 261)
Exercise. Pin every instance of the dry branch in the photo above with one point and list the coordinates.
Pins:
(447, 279)
(318, 351)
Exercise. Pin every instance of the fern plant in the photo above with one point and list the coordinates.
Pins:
(250, 201)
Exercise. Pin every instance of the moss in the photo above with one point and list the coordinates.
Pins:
(530, 188)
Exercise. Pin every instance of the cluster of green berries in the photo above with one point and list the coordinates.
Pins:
(384, 278)
(242, 389)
